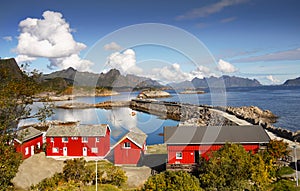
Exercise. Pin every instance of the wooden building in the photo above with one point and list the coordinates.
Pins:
(186, 144)
(28, 141)
(129, 150)
(78, 140)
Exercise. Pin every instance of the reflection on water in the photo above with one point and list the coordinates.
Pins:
(121, 120)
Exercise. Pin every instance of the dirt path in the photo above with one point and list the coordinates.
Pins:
(136, 175)
(35, 169)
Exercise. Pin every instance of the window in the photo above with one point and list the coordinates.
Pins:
(26, 151)
(84, 139)
(94, 150)
(127, 145)
(55, 150)
(38, 145)
(74, 138)
(97, 139)
(52, 139)
(179, 155)
(65, 139)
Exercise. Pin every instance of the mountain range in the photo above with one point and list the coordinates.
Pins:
(114, 79)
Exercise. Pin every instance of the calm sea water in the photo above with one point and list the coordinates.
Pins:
(282, 101)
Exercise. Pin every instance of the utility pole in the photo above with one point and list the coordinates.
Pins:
(96, 175)
(295, 153)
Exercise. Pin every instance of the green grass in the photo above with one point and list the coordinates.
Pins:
(285, 170)
(102, 187)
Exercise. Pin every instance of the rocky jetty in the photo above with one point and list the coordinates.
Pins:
(192, 92)
(253, 114)
(153, 94)
(103, 105)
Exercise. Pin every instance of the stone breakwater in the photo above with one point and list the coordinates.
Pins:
(187, 114)
(204, 115)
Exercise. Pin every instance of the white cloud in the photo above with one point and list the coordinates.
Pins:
(209, 9)
(50, 37)
(293, 54)
(273, 79)
(226, 67)
(171, 73)
(112, 46)
(124, 61)
(24, 58)
(8, 38)
(201, 72)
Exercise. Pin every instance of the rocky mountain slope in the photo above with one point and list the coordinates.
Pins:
(228, 81)
(292, 82)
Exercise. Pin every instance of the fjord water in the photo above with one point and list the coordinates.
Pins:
(282, 101)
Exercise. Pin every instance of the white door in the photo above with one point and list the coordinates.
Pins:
(65, 151)
(84, 151)
(32, 150)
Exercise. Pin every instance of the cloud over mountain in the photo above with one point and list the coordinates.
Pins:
(124, 61)
(50, 37)
(226, 67)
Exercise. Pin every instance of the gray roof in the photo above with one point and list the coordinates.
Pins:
(215, 134)
(26, 134)
(77, 130)
(137, 136)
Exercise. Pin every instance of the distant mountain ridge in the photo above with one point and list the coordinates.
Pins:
(228, 81)
(292, 82)
(112, 79)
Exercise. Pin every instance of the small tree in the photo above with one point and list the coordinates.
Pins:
(277, 149)
(172, 181)
(77, 171)
(227, 169)
(116, 176)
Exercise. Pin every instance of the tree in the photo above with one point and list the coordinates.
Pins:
(227, 169)
(76, 170)
(116, 176)
(277, 149)
(170, 180)
(16, 91)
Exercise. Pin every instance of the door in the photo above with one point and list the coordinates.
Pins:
(197, 156)
(84, 151)
(65, 151)
(32, 150)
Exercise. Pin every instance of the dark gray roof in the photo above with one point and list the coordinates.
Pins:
(24, 135)
(215, 134)
(77, 130)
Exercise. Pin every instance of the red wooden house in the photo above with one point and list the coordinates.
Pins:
(129, 150)
(186, 144)
(78, 140)
(28, 141)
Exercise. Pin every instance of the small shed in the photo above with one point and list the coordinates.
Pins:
(129, 150)
(28, 141)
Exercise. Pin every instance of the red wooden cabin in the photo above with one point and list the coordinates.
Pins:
(28, 141)
(186, 144)
(129, 150)
(78, 140)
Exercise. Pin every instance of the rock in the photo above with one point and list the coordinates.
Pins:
(153, 94)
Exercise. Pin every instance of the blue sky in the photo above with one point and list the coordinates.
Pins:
(255, 39)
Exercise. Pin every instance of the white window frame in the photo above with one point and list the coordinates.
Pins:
(85, 139)
(55, 150)
(51, 139)
(178, 155)
(26, 150)
(64, 141)
(74, 138)
(94, 149)
(97, 139)
(38, 145)
(127, 145)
